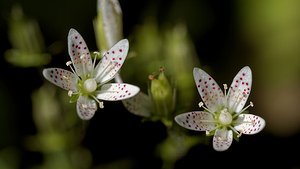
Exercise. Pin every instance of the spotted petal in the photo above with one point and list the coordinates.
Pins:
(208, 89)
(62, 78)
(249, 124)
(112, 61)
(239, 90)
(117, 91)
(222, 139)
(195, 120)
(140, 104)
(77, 48)
(85, 108)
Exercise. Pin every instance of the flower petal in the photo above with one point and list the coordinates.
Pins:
(140, 104)
(239, 90)
(222, 139)
(62, 78)
(112, 61)
(117, 91)
(85, 108)
(194, 120)
(208, 89)
(77, 48)
(249, 124)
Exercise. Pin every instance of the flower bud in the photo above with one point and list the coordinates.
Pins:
(162, 97)
(108, 24)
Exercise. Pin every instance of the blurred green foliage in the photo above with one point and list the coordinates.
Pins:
(27, 41)
(59, 130)
(170, 48)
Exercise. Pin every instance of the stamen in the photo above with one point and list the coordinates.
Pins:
(251, 104)
(242, 122)
(83, 64)
(101, 104)
(70, 92)
(97, 53)
(225, 88)
(245, 108)
(239, 134)
(238, 100)
(208, 121)
(99, 76)
(222, 135)
(69, 64)
(68, 79)
(94, 62)
(201, 104)
(84, 106)
(208, 131)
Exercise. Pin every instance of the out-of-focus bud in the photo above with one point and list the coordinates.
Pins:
(108, 24)
(26, 40)
(163, 98)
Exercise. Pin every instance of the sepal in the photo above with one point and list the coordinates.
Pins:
(74, 98)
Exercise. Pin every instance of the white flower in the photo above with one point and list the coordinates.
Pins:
(87, 83)
(225, 114)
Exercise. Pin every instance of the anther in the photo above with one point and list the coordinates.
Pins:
(206, 132)
(239, 135)
(251, 104)
(101, 105)
(70, 92)
(97, 53)
(200, 104)
(69, 63)
(225, 86)
(82, 56)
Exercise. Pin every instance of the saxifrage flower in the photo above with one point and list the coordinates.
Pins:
(225, 116)
(87, 83)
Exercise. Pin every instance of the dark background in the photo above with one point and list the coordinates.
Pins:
(215, 30)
